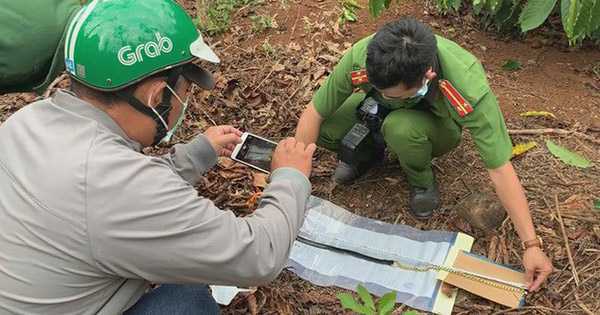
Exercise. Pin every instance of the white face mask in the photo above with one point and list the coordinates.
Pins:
(170, 133)
(422, 91)
(412, 99)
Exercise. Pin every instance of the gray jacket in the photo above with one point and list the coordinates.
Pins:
(87, 221)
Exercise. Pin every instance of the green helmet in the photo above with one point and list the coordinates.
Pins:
(111, 44)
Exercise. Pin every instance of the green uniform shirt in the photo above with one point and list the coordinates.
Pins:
(462, 69)
(31, 50)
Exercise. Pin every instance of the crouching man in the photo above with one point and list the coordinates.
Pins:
(87, 221)
(413, 92)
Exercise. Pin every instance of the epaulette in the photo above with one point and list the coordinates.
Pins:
(359, 77)
(458, 102)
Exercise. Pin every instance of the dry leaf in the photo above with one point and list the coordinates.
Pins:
(252, 306)
(448, 289)
(232, 173)
(329, 58)
(225, 162)
(260, 180)
(278, 67)
(253, 200)
(391, 180)
(537, 114)
(575, 203)
(522, 148)
(294, 46)
(597, 231)
(221, 103)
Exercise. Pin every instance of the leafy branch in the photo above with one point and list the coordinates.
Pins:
(366, 305)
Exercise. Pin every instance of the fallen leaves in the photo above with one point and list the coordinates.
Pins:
(231, 170)
(537, 114)
(278, 67)
(521, 148)
(260, 180)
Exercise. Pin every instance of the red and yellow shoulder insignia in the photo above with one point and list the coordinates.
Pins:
(458, 102)
(359, 77)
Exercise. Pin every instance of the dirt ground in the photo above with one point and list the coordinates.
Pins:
(266, 78)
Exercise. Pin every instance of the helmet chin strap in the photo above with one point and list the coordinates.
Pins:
(163, 109)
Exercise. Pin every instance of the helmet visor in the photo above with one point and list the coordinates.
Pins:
(197, 75)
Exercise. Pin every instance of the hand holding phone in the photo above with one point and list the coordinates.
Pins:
(265, 155)
(223, 139)
(291, 153)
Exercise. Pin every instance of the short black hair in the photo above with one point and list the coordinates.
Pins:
(109, 98)
(400, 52)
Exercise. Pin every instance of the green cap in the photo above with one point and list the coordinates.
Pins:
(111, 44)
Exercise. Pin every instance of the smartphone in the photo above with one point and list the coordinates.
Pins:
(255, 152)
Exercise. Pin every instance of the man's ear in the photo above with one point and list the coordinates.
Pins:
(430, 74)
(155, 92)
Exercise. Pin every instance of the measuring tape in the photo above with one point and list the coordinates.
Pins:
(487, 280)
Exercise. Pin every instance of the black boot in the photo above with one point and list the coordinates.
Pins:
(346, 173)
(423, 201)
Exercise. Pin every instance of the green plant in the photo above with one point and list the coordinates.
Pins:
(376, 7)
(214, 16)
(511, 65)
(448, 5)
(580, 18)
(383, 306)
(348, 11)
(568, 157)
(268, 49)
(350, 7)
(261, 23)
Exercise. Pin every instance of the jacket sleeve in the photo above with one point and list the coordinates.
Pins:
(191, 160)
(145, 222)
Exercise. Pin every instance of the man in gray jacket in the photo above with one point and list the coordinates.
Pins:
(87, 221)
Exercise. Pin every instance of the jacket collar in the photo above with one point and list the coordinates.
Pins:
(69, 101)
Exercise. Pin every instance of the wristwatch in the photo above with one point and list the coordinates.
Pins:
(536, 242)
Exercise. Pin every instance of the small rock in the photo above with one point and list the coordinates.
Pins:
(482, 210)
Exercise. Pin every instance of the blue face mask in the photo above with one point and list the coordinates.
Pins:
(422, 91)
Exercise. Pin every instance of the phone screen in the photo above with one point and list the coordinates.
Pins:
(257, 152)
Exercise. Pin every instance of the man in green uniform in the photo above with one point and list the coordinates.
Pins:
(31, 42)
(416, 92)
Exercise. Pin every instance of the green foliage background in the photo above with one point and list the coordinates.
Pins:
(580, 18)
